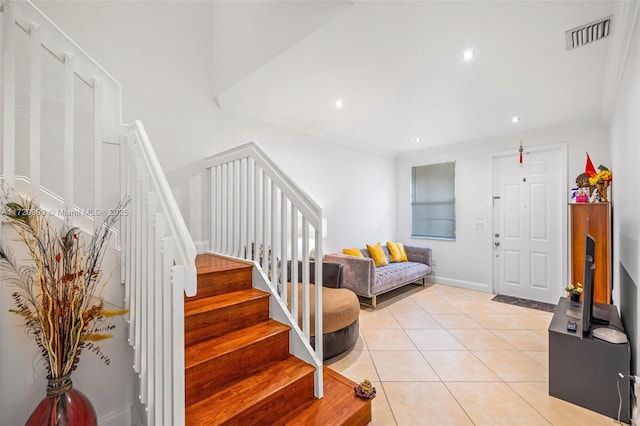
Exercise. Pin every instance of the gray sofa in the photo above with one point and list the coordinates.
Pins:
(361, 275)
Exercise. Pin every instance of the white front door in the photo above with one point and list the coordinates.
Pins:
(528, 259)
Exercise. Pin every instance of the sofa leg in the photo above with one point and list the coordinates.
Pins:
(373, 302)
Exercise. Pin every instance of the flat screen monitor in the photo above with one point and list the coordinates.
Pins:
(590, 313)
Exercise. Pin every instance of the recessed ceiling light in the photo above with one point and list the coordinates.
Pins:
(418, 139)
(515, 119)
(339, 103)
(468, 55)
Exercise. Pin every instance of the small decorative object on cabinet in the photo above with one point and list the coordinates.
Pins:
(574, 292)
(594, 219)
(59, 297)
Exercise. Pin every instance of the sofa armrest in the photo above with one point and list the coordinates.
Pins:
(359, 272)
(419, 254)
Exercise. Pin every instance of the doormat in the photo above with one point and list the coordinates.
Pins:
(541, 306)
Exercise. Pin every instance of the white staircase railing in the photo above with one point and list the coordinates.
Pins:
(259, 214)
(158, 254)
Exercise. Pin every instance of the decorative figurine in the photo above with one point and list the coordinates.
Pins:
(365, 390)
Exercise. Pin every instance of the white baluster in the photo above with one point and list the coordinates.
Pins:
(264, 220)
(294, 262)
(35, 110)
(306, 328)
(159, 228)
(177, 284)
(167, 325)
(151, 297)
(283, 248)
(242, 238)
(142, 284)
(224, 207)
(272, 238)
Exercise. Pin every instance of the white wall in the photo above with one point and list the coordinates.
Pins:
(466, 261)
(625, 148)
(164, 63)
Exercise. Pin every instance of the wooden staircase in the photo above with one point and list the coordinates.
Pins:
(238, 369)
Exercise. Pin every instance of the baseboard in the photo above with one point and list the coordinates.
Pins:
(201, 246)
(469, 285)
(118, 418)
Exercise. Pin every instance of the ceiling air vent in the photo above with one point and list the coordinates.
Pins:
(586, 34)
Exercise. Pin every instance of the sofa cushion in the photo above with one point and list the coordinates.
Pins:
(396, 274)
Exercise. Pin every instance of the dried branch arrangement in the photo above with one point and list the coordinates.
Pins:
(59, 289)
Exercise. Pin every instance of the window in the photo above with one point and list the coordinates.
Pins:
(433, 201)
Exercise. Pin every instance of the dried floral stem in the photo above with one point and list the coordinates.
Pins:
(59, 293)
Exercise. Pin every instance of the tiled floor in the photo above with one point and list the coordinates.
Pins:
(440, 355)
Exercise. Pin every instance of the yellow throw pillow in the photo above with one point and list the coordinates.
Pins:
(396, 252)
(352, 252)
(377, 254)
(403, 253)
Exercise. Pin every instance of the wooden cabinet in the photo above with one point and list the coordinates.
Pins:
(594, 218)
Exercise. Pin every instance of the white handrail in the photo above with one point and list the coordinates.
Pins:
(184, 244)
(260, 214)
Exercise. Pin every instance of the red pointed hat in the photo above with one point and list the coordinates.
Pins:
(588, 168)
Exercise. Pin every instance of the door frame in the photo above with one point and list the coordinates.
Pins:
(564, 189)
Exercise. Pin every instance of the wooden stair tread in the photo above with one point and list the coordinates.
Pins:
(224, 405)
(205, 350)
(339, 406)
(207, 263)
(198, 306)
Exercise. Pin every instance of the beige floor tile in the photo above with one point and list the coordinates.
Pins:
(456, 321)
(417, 321)
(505, 308)
(426, 295)
(498, 321)
(378, 321)
(388, 340)
(555, 410)
(434, 340)
(424, 404)
(356, 365)
(438, 307)
(474, 307)
(360, 344)
(513, 366)
(483, 340)
(523, 340)
(541, 357)
(494, 404)
(459, 366)
(381, 414)
(402, 366)
(533, 322)
(405, 306)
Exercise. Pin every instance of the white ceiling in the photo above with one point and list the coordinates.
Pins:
(398, 68)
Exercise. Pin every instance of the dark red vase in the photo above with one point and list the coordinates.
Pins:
(63, 406)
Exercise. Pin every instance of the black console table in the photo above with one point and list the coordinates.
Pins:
(584, 370)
